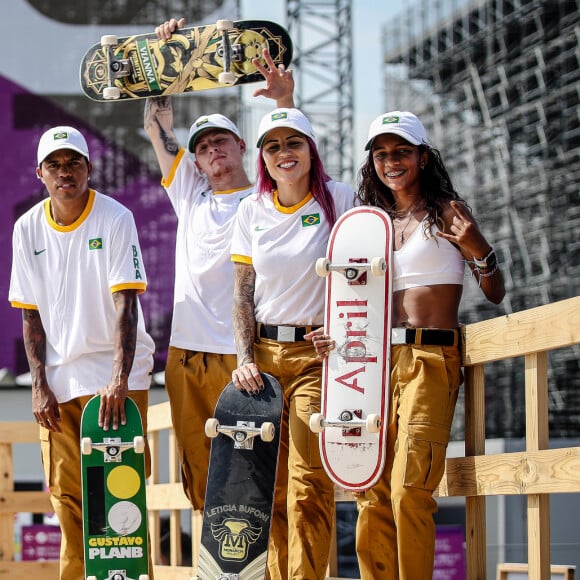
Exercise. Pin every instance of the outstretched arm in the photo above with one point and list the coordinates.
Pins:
(279, 82)
(158, 124)
(158, 121)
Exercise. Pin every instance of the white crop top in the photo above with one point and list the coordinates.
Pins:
(427, 261)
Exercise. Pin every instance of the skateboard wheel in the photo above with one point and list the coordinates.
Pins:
(378, 266)
(227, 78)
(222, 25)
(139, 444)
(316, 422)
(86, 445)
(143, 576)
(109, 40)
(211, 427)
(267, 432)
(91, 578)
(322, 267)
(111, 93)
(373, 423)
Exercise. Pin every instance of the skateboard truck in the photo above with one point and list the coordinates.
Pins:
(119, 575)
(355, 271)
(350, 421)
(116, 68)
(242, 434)
(112, 447)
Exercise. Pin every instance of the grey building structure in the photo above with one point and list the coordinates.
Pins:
(497, 83)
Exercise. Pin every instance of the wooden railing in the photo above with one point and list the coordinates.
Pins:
(535, 472)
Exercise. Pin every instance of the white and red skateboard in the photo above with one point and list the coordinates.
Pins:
(355, 379)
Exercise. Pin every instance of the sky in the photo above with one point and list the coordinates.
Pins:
(368, 20)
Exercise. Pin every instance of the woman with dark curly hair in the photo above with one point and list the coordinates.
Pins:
(435, 235)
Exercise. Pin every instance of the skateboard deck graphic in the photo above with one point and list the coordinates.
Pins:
(355, 379)
(193, 59)
(113, 484)
(237, 515)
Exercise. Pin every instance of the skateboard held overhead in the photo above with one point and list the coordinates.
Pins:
(193, 59)
(355, 375)
(113, 487)
(245, 432)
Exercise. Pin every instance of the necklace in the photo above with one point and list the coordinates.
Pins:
(409, 214)
(402, 232)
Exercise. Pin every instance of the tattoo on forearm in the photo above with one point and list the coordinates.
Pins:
(159, 114)
(125, 332)
(34, 336)
(243, 316)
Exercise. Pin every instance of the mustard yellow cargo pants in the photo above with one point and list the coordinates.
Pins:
(302, 524)
(395, 534)
(194, 381)
(61, 459)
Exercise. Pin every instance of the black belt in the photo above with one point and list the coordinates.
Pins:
(283, 333)
(425, 336)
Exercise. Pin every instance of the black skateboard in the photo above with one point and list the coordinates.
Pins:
(245, 434)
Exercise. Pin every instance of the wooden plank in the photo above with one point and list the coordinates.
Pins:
(475, 519)
(19, 432)
(537, 438)
(159, 417)
(6, 486)
(35, 502)
(519, 473)
(173, 573)
(475, 524)
(538, 513)
(167, 496)
(548, 327)
(26, 570)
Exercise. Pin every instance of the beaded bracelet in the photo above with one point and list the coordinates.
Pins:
(485, 274)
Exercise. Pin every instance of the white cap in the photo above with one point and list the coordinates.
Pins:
(205, 122)
(290, 118)
(61, 138)
(400, 123)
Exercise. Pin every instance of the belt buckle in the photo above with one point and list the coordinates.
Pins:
(286, 334)
(399, 336)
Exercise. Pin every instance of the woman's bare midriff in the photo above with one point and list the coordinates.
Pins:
(427, 306)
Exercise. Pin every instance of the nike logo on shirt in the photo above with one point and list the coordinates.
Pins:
(37, 252)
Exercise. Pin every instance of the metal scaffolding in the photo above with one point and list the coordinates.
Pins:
(497, 84)
(322, 34)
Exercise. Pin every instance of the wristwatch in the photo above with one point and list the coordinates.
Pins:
(483, 263)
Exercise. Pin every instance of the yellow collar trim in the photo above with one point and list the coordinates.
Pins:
(79, 220)
(229, 191)
(292, 208)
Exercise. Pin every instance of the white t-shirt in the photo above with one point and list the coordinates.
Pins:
(283, 244)
(202, 309)
(68, 274)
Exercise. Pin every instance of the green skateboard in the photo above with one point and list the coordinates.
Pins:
(114, 508)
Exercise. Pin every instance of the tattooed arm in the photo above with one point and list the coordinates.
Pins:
(247, 375)
(44, 403)
(114, 394)
(158, 124)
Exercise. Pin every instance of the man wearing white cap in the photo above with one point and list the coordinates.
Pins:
(205, 192)
(76, 273)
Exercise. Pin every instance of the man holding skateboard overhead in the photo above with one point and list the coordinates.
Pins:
(76, 273)
(205, 193)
